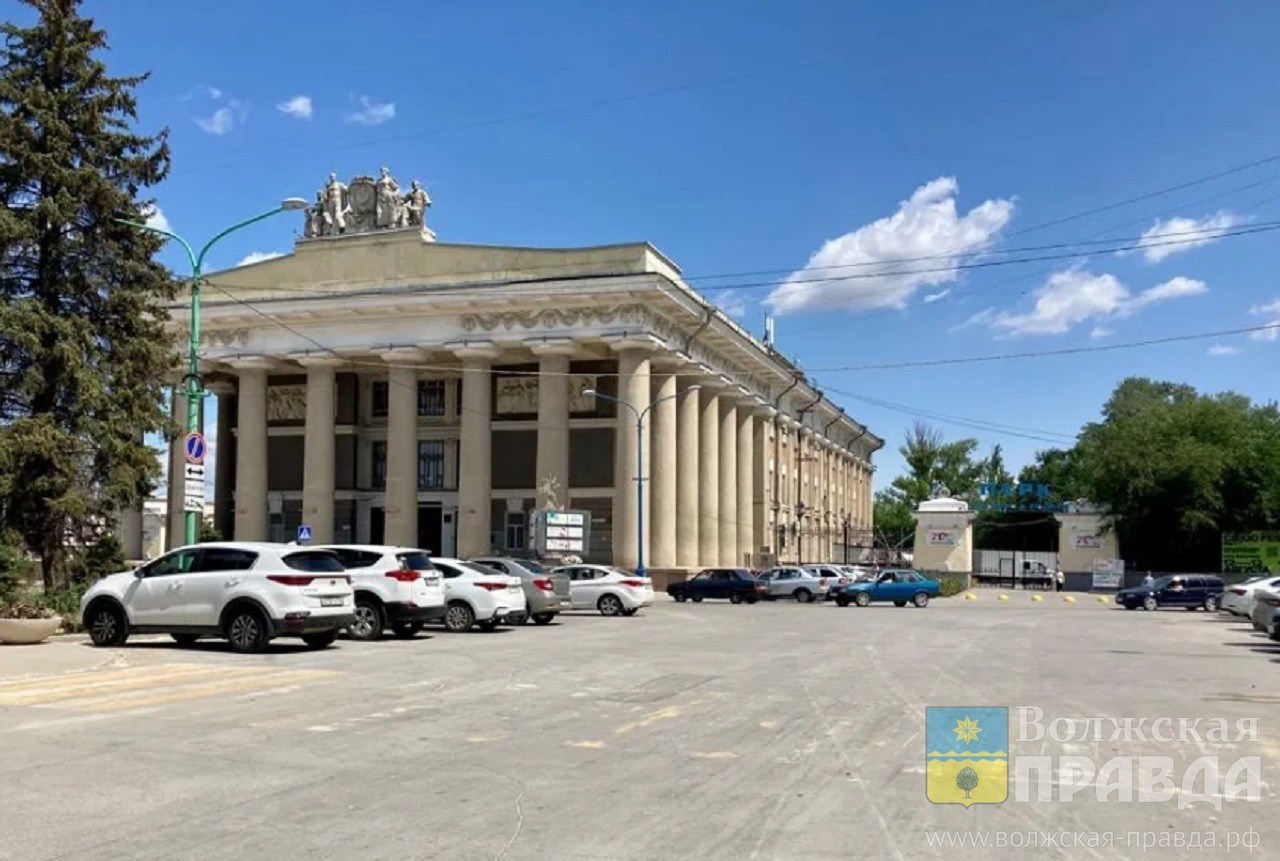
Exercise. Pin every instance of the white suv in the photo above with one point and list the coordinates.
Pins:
(612, 591)
(395, 587)
(244, 592)
(477, 595)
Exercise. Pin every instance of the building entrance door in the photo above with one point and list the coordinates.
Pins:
(377, 524)
(430, 531)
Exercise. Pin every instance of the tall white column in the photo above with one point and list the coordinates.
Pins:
(318, 447)
(224, 476)
(175, 525)
(402, 450)
(475, 471)
(552, 467)
(729, 481)
(709, 478)
(628, 515)
(746, 448)
(251, 451)
(687, 506)
(662, 469)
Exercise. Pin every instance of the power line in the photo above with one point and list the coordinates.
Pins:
(997, 428)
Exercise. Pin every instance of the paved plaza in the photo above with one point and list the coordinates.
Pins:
(692, 731)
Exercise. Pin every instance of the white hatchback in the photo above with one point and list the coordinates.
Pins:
(243, 592)
(396, 587)
(476, 595)
(612, 591)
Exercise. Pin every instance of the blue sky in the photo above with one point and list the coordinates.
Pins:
(744, 137)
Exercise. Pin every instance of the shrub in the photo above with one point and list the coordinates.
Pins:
(952, 584)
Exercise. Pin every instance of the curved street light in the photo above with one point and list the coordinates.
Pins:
(194, 390)
(639, 478)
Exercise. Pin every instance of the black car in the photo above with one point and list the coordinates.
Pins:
(736, 584)
(1191, 591)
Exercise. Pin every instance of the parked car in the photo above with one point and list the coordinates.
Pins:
(475, 595)
(1266, 613)
(610, 590)
(791, 582)
(246, 593)
(545, 594)
(899, 585)
(832, 574)
(1240, 598)
(395, 587)
(737, 585)
(1190, 591)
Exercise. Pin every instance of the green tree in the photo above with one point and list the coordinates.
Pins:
(933, 463)
(992, 470)
(895, 525)
(82, 343)
(967, 780)
(1057, 468)
(1177, 468)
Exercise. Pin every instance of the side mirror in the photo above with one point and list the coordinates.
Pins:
(139, 574)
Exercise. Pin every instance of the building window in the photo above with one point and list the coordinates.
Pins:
(379, 410)
(430, 464)
(515, 530)
(431, 398)
(378, 461)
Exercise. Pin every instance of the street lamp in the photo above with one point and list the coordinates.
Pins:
(192, 379)
(639, 414)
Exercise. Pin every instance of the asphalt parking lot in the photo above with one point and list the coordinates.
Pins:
(691, 731)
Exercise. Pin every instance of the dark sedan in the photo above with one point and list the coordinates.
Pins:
(1191, 591)
(737, 585)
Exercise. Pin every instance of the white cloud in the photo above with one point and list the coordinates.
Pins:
(156, 218)
(259, 256)
(731, 303)
(220, 122)
(298, 107)
(200, 89)
(1222, 350)
(937, 297)
(1074, 296)
(371, 113)
(1183, 234)
(926, 225)
(1272, 309)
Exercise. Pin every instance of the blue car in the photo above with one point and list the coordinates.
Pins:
(899, 585)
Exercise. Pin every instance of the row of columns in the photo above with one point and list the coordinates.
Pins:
(696, 449)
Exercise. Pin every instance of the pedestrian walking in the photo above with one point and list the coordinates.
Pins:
(1059, 580)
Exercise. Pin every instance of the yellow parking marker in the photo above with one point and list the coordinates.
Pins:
(1037, 598)
(969, 596)
(1103, 599)
(92, 684)
(1003, 597)
(180, 693)
(1069, 599)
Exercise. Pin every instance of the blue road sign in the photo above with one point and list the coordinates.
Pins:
(195, 447)
(304, 534)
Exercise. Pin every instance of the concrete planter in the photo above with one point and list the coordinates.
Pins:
(26, 632)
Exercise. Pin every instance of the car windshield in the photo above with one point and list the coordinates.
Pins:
(415, 561)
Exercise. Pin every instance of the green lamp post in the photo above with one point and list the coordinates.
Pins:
(192, 383)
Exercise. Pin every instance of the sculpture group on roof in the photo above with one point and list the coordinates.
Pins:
(364, 205)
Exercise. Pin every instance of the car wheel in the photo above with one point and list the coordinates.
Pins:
(247, 631)
(697, 599)
(185, 639)
(862, 599)
(368, 623)
(406, 630)
(735, 598)
(609, 605)
(681, 598)
(320, 641)
(458, 618)
(1150, 603)
(899, 603)
(920, 599)
(1211, 604)
(804, 596)
(107, 625)
(488, 625)
(842, 601)
(543, 618)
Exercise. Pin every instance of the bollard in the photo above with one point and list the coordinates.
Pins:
(1003, 597)
(969, 596)
(1103, 599)
(1037, 598)
(1069, 599)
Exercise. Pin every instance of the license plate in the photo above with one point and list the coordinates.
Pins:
(330, 602)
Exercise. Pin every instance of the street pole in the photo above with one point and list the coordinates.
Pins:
(192, 382)
(639, 477)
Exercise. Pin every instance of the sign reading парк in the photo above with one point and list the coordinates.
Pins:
(1025, 496)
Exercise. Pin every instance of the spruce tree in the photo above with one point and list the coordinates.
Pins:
(83, 349)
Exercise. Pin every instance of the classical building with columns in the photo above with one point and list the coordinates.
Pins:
(379, 385)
